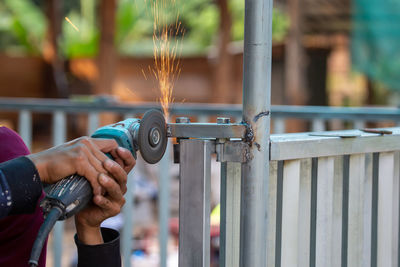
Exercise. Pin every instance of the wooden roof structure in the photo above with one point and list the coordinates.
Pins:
(324, 17)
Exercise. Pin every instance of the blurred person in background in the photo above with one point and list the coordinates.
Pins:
(21, 189)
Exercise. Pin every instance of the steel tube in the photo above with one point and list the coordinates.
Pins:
(256, 111)
(163, 204)
(206, 130)
(367, 114)
(194, 203)
(59, 137)
(230, 214)
(93, 122)
(127, 210)
(25, 127)
(305, 145)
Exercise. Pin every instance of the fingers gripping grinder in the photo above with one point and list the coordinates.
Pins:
(73, 193)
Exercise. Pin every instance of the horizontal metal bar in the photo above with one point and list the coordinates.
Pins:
(304, 145)
(345, 113)
(369, 114)
(73, 106)
(206, 130)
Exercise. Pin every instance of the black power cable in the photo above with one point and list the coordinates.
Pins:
(44, 230)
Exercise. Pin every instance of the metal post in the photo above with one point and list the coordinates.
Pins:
(279, 125)
(127, 210)
(59, 136)
(163, 206)
(194, 203)
(93, 122)
(230, 214)
(25, 127)
(256, 111)
(126, 238)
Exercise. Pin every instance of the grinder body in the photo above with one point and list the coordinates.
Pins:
(74, 192)
(71, 194)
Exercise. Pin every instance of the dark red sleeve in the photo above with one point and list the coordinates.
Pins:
(18, 232)
(105, 255)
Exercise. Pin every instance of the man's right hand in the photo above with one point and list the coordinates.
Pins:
(83, 156)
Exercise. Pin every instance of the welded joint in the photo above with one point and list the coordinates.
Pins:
(261, 114)
(232, 151)
(249, 134)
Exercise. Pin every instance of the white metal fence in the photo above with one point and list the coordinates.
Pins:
(332, 201)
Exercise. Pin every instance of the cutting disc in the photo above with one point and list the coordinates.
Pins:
(152, 137)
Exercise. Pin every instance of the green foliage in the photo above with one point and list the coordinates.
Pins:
(82, 43)
(280, 25)
(280, 22)
(200, 19)
(22, 26)
(237, 10)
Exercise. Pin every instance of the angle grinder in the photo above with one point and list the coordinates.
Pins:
(71, 194)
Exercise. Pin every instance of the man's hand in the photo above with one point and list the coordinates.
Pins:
(84, 156)
(104, 206)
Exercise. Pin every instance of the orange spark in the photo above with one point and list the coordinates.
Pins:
(70, 22)
(166, 65)
(144, 75)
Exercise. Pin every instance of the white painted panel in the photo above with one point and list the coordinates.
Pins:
(385, 208)
(337, 211)
(323, 255)
(355, 243)
(304, 213)
(395, 212)
(272, 197)
(290, 213)
(367, 214)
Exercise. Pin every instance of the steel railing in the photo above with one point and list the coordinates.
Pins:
(318, 116)
(334, 201)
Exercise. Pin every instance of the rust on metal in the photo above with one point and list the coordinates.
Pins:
(377, 131)
(261, 114)
(249, 135)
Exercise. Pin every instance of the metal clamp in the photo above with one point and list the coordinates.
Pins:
(206, 130)
(232, 151)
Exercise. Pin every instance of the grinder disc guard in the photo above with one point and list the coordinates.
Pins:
(152, 136)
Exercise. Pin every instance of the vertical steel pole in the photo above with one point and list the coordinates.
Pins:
(256, 111)
(25, 127)
(127, 210)
(163, 205)
(194, 203)
(59, 137)
(93, 122)
(230, 214)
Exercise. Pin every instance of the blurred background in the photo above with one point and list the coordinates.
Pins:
(325, 52)
(338, 52)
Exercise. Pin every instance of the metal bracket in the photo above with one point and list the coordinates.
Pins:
(232, 151)
(206, 130)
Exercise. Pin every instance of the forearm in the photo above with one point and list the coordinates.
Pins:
(88, 235)
(105, 254)
(20, 187)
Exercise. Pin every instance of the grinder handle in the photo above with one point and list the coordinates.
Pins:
(72, 193)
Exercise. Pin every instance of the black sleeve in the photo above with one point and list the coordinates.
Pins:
(24, 185)
(104, 255)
